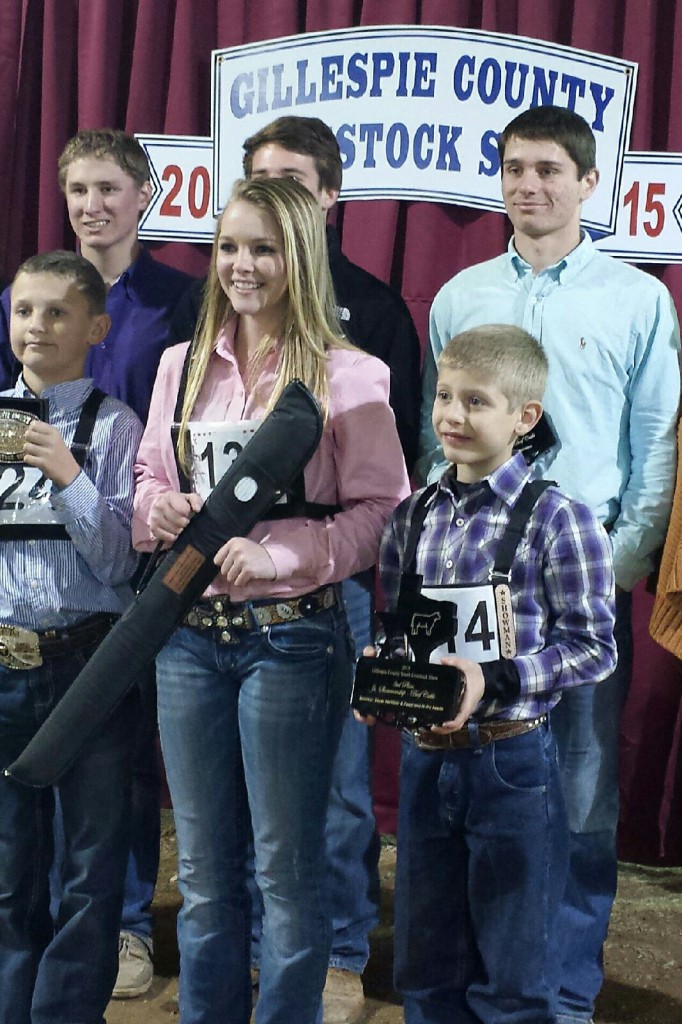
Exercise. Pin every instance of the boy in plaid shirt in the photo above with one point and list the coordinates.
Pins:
(482, 833)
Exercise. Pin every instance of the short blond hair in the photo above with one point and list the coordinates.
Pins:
(503, 355)
(105, 144)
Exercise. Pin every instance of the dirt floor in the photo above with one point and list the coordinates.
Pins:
(643, 953)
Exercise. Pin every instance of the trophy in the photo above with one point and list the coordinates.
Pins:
(16, 414)
(400, 686)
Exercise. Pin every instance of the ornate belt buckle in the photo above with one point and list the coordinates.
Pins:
(19, 648)
(13, 426)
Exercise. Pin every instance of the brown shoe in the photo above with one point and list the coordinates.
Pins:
(343, 999)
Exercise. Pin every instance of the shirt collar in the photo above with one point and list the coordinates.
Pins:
(132, 275)
(67, 396)
(224, 346)
(562, 271)
(506, 482)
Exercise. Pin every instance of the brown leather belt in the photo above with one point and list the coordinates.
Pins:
(488, 732)
(25, 648)
(228, 619)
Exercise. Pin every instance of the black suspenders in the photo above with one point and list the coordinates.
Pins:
(79, 449)
(86, 425)
(508, 543)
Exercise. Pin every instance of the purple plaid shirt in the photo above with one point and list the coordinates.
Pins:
(561, 581)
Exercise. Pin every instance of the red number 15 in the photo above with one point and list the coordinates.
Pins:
(652, 205)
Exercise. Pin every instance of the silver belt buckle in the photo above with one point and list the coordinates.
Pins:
(19, 648)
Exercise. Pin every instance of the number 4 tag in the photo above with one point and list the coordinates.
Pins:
(478, 629)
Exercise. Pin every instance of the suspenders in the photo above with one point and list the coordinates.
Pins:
(85, 426)
(80, 445)
(411, 593)
(508, 543)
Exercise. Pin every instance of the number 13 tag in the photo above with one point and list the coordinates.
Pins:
(214, 448)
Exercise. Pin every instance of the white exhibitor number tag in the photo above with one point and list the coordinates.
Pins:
(214, 447)
(476, 630)
(25, 496)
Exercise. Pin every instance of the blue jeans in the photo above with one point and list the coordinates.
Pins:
(353, 844)
(145, 821)
(253, 727)
(61, 971)
(352, 839)
(586, 724)
(482, 859)
(145, 826)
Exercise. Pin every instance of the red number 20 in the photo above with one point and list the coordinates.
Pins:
(198, 192)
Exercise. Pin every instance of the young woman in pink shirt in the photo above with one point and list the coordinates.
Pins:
(254, 687)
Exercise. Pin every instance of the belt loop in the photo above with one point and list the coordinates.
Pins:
(474, 738)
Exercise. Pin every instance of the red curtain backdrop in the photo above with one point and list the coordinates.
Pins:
(144, 65)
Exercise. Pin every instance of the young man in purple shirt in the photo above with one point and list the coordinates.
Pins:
(482, 830)
(104, 175)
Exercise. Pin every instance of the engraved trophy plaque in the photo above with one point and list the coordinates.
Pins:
(400, 686)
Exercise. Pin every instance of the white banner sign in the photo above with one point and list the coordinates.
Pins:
(182, 207)
(649, 225)
(417, 109)
(648, 228)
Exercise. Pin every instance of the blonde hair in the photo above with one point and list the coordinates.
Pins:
(310, 325)
(504, 355)
(105, 144)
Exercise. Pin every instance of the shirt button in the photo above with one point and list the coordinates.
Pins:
(35, 584)
(449, 564)
(460, 522)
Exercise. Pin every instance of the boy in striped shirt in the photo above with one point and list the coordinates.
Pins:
(66, 495)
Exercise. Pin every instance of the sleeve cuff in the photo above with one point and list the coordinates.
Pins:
(502, 680)
(75, 500)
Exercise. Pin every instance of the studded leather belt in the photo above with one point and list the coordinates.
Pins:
(228, 619)
(488, 732)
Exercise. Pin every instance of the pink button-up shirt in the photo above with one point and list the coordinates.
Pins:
(358, 465)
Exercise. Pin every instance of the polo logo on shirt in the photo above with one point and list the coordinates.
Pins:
(343, 313)
(583, 343)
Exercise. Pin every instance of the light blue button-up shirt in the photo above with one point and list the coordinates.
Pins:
(612, 340)
(47, 584)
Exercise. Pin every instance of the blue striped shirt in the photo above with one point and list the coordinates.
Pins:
(48, 584)
(561, 581)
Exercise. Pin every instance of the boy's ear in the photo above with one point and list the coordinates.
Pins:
(99, 328)
(327, 198)
(588, 183)
(146, 192)
(529, 415)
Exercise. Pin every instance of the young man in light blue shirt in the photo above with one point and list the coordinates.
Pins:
(612, 340)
